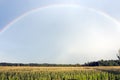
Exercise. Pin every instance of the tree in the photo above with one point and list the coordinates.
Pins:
(118, 55)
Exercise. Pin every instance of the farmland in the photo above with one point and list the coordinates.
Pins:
(59, 73)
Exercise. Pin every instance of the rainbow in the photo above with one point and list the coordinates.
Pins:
(59, 5)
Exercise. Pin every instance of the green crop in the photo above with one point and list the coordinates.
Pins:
(55, 74)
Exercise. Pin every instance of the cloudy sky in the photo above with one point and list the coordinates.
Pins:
(59, 31)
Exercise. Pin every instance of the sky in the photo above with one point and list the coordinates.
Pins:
(59, 31)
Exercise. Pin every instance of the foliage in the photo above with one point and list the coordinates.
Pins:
(36, 64)
(104, 63)
(118, 55)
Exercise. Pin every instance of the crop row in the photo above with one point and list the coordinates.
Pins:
(58, 75)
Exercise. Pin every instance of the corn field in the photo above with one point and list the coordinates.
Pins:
(58, 73)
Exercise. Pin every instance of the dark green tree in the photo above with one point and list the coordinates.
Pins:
(118, 55)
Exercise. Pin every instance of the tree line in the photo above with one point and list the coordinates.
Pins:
(94, 63)
(105, 62)
(40, 65)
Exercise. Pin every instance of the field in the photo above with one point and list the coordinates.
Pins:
(60, 73)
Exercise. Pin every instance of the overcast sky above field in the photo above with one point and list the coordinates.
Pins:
(59, 31)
